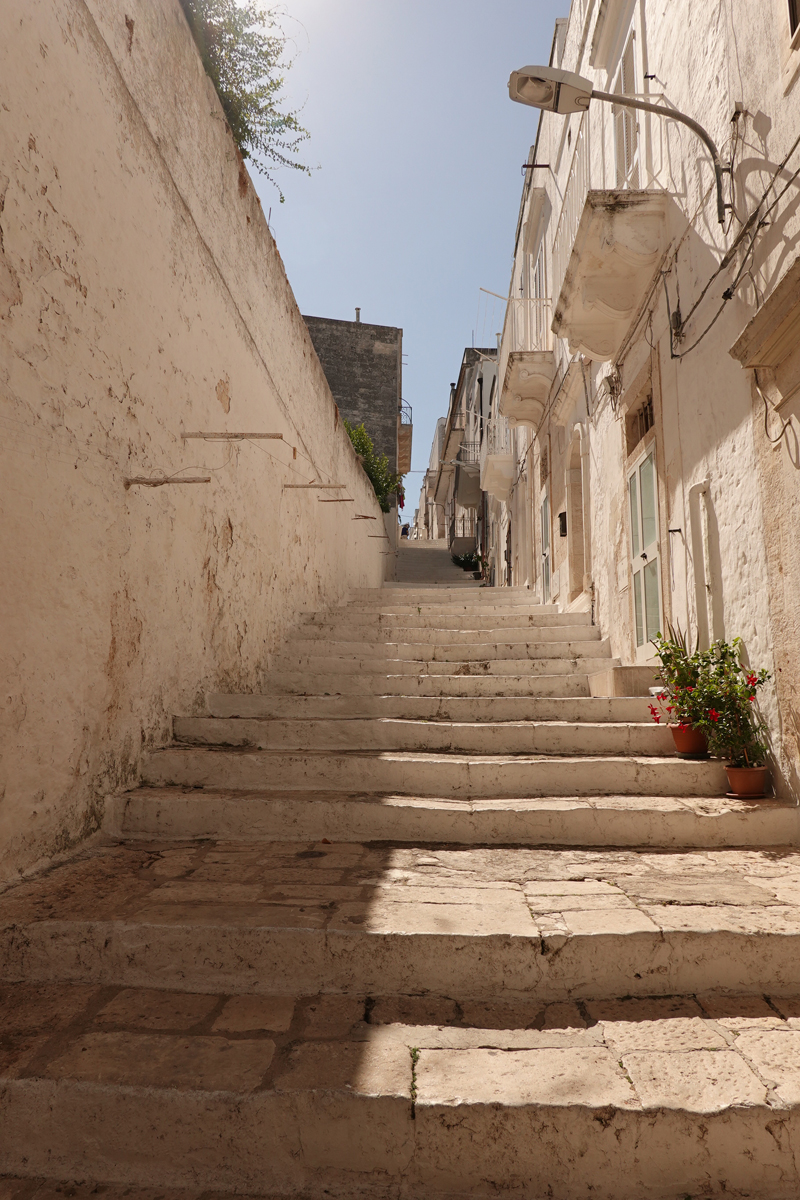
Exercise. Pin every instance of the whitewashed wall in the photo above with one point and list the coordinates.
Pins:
(141, 295)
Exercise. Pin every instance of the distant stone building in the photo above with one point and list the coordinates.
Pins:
(364, 365)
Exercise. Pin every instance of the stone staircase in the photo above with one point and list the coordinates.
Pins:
(426, 919)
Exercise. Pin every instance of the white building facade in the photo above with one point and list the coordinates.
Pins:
(646, 464)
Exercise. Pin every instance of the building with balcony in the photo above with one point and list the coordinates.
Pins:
(649, 371)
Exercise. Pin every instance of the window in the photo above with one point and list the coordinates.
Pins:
(626, 129)
(639, 422)
(643, 508)
(545, 519)
(794, 16)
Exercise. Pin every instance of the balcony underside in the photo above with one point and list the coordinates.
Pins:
(621, 237)
(528, 378)
(404, 437)
(497, 475)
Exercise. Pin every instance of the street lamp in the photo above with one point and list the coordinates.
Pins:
(565, 92)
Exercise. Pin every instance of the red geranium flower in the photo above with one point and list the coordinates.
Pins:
(752, 680)
(712, 712)
(690, 689)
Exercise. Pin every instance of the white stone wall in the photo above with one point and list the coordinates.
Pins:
(707, 61)
(142, 295)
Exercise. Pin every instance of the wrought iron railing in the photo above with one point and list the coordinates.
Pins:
(578, 184)
(469, 452)
(405, 413)
(497, 439)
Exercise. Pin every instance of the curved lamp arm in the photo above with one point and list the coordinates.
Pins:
(719, 167)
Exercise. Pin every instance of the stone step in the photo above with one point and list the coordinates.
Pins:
(458, 652)
(469, 923)
(443, 708)
(455, 598)
(589, 821)
(379, 1097)
(344, 632)
(418, 773)
(388, 733)
(444, 617)
(560, 681)
(313, 665)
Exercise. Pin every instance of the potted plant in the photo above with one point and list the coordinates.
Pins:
(735, 728)
(682, 700)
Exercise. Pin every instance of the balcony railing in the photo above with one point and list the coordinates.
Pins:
(527, 325)
(469, 452)
(497, 439)
(465, 523)
(578, 184)
(405, 413)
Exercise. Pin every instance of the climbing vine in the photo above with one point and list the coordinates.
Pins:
(383, 480)
(242, 46)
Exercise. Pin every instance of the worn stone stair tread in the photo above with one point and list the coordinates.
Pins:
(563, 682)
(442, 773)
(475, 923)
(407, 734)
(268, 706)
(586, 820)
(458, 652)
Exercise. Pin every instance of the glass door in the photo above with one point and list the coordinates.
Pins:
(644, 553)
(545, 517)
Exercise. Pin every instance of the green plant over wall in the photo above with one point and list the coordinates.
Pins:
(242, 44)
(383, 480)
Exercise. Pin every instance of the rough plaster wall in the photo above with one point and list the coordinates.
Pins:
(362, 364)
(141, 294)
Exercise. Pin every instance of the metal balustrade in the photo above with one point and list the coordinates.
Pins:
(497, 439)
(578, 184)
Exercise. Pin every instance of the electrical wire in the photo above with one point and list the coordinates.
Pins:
(767, 410)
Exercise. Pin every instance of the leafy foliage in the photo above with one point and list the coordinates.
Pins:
(242, 45)
(383, 480)
(471, 561)
(713, 691)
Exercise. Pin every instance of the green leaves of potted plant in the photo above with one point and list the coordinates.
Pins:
(735, 728)
(683, 701)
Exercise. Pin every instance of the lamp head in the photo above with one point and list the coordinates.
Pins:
(551, 89)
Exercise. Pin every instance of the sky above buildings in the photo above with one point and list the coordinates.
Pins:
(414, 206)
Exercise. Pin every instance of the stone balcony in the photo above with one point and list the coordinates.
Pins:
(607, 270)
(497, 460)
(527, 363)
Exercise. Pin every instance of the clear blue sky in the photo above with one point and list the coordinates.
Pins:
(415, 204)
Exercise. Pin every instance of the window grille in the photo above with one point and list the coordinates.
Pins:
(626, 129)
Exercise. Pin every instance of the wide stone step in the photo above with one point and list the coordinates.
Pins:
(468, 923)
(371, 664)
(415, 773)
(343, 632)
(459, 651)
(365, 1096)
(445, 708)
(389, 733)
(439, 593)
(590, 821)
(444, 617)
(560, 681)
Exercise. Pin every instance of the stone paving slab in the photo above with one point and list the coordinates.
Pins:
(283, 917)
(409, 1091)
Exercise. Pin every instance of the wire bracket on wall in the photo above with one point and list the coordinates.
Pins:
(233, 437)
(363, 517)
(145, 481)
(325, 487)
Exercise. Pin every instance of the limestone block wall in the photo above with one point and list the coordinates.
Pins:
(142, 296)
(363, 365)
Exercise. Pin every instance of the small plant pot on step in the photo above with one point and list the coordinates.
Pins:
(689, 743)
(747, 781)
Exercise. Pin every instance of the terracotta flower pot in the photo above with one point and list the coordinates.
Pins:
(689, 743)
(747, 781)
